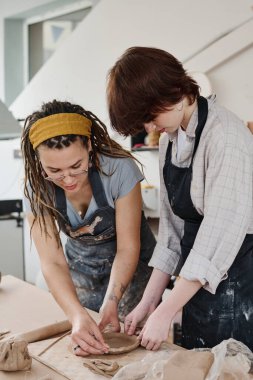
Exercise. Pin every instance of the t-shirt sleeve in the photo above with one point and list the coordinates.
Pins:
(126, 175)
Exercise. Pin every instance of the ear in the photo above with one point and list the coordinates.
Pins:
(43, 173)
(89, 146)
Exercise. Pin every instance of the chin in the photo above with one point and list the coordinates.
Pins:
(72, 189)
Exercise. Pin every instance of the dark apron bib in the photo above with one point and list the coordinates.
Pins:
(102, 221)
(91, 248)
(210, 318)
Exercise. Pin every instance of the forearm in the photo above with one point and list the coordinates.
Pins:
(122, 272)
(182, 292)
(61, 286)
(155, 287)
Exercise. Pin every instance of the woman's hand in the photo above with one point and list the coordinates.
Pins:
(137, 315)
(156, 329)
(86, 336)
(109, 316)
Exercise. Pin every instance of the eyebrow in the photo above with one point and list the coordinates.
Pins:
(76, 163)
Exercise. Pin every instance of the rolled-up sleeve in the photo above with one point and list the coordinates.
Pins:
(227, 208)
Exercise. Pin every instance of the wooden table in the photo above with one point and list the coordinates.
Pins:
(24, 307)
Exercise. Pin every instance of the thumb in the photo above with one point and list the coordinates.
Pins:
(116, 326)
(102, 325)
(132, 327)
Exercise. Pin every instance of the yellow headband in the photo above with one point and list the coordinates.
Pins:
(57, 125)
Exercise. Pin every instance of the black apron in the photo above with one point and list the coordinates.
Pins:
(90, 251)
(210, 318)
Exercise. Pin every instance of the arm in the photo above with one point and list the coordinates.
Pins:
(151, 297)
(166, 256)
(85, 332)
(128, 220)
(225, 198)
(156, 329)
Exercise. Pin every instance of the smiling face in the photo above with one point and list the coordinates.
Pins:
(66, 162)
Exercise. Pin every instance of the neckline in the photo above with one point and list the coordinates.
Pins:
(76, 212)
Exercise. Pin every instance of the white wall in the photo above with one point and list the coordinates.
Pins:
(233, 82)
(11, 8)
(13, 35)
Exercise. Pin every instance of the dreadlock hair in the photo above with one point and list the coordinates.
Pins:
(40, 192)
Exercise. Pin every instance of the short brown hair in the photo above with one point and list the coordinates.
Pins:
(141, 84)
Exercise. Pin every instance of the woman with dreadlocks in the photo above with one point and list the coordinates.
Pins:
(77, 176)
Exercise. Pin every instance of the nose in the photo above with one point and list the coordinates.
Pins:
(68, 179)
(149, 127)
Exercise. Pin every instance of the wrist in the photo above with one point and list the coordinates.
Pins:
(168, 308)
(148, 305)
(150, 300)
(76, 314)
(108, 303)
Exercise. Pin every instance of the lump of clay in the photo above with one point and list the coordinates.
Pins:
(119, 343)
(106, 368)
(14, 356)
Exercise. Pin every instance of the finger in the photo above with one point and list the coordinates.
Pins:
(132, 328)
(89, 345)
(116, 326)
(127, 324)
(156, 346)
(138, 330)
(79, 352)
(102, 325)
(144, 342)
(150, 345)
(98, 340)
(141, 334)
(92, 341)
(85, 350)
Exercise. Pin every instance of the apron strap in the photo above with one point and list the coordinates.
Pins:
(97, 188)
(202, 116)
(60, 203)
(97, 191)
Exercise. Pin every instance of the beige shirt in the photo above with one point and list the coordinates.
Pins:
(221, 191)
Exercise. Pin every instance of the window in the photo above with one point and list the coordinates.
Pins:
(46, 36)
(31, 37)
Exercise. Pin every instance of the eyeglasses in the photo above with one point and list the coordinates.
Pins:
(72, 173)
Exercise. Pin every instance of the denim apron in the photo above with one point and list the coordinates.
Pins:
(91, 248)
(210, 318)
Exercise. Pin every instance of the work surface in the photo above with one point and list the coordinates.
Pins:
(23, 308)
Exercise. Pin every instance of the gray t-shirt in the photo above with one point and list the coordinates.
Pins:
(122, 175)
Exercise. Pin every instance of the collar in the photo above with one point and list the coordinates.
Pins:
(193, 122)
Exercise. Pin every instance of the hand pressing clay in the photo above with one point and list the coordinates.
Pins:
(14, 356)
(119, 343)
